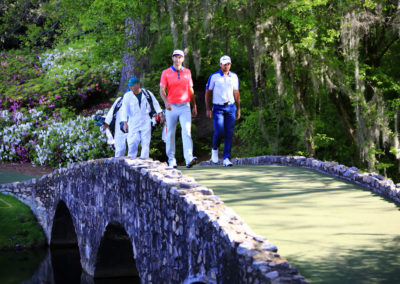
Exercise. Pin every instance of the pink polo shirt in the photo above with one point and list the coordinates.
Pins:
(178, 84)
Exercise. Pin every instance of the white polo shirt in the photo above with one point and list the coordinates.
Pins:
(223, 87)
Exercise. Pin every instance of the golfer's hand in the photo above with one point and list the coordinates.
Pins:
(209, 114)
(168, 106)
(237, 114)
(194, 111)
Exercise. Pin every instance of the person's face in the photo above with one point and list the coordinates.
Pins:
(135, 88)
(178, 59)
(225, 67)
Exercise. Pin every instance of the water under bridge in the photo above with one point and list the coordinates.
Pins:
(162, 225)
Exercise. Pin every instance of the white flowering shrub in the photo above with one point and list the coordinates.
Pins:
(67, 63)
(34, 137)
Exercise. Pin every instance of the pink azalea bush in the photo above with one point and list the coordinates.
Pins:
(46, 107)
(28, 83)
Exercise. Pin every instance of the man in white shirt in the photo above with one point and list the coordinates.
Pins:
(223, 87)
(135, 114)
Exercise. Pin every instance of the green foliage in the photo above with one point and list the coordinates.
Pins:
(17, 69)
(250, 133)
(372, 153)
(331, 92)
(25, 23)
(59, 79)
(157, 145)
(271, 134)
(321, 140)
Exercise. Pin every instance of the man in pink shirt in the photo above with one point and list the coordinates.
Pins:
(176, 90)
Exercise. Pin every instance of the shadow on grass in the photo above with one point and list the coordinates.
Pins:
(358, 266)
(280, 201)
(243, 183)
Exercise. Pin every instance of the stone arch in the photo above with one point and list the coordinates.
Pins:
(115, 254)
(64, 249)
(199, 279)
(202, 281)
(63, 231)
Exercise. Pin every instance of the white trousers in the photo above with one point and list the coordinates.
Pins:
(120, 143)
(143, 137)
(182, 113)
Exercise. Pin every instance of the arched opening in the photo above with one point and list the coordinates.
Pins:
(199, 279)
(63, 232)
(65, 258)
(115, 256)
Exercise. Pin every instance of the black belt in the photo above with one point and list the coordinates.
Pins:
(225, 104)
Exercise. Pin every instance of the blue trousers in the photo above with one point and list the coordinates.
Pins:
(224, 121)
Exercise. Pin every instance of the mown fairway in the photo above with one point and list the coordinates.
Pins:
(331, 230)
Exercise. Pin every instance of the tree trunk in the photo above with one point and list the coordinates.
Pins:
(309, 129)
(254, 83)
(345, 117)
(170, 4)
(130, 59)
(186, 30)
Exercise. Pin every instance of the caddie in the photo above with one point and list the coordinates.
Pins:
(135, 115)
(119, 136)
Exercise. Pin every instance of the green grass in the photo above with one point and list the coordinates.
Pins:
(331, 230)
(18, 225)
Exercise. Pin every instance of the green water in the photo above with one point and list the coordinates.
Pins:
(330, 230)
(19, 266)
(6, 177)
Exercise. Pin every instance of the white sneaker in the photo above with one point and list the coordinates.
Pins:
(227, 163)
(172, 164)
(214, 156)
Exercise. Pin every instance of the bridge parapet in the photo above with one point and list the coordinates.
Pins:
(372, 181)
(180, 231)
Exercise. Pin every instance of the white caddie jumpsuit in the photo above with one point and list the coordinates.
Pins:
(119, 136)
(139, 122)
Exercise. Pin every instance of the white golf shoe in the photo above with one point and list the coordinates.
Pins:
(214, 156)
(227, 163)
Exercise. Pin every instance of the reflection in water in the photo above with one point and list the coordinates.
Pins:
(17, 267)
(66, 265)
(55, 266)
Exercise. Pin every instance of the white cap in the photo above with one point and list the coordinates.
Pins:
(225, 59)
(178, 52)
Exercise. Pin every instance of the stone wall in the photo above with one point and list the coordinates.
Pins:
(180, 231)
(372, 181)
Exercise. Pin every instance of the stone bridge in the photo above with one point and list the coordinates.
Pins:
(139, 217)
